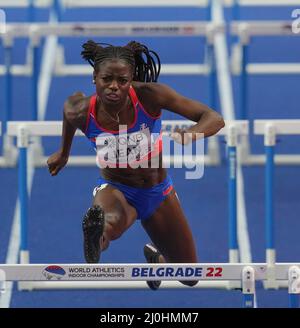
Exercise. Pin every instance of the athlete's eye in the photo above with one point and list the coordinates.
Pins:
(123, 81)
(106, 78)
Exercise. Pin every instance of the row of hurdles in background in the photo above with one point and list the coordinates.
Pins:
(53, 59)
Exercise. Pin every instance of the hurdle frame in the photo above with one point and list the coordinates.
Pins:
(26, 129)
(132, 276)
(244, 30)
(270, 129)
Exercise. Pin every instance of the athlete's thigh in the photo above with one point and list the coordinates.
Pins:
(169, 230)
(115, 206)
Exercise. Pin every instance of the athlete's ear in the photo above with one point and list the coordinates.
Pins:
(94, 77)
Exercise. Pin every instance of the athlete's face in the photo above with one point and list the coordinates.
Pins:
(113, 80)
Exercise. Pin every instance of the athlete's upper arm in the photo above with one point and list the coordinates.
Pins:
(169, 99)
(75, 110)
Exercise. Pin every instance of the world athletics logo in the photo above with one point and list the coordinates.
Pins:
(53, 271)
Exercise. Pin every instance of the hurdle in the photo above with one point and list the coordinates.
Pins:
(244, 30)
(237, 4)
(36, 31)
(24, 130)
(133, 276)
(270, 129)
(39, 95)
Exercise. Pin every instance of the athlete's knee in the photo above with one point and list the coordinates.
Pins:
(112, 231)
(115, 224)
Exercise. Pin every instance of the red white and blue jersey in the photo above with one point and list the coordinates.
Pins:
(132, 144)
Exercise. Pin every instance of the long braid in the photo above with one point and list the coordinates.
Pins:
(144, 69)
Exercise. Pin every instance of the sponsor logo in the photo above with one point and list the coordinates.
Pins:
(171, 272)
(94, 272)
(156, 29)
(189, 30)
(166, 272)
(54, 271)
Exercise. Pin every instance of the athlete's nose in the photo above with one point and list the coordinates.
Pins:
(113, 85)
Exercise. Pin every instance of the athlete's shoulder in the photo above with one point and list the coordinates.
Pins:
(76, 109)
(151, 93)
(76, 101)
(149, 88)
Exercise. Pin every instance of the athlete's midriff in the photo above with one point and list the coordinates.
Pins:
(136, 177)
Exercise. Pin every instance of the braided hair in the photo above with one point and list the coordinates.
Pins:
(138, 56)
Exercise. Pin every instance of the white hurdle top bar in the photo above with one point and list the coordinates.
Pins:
(262, 28)
(54, 128)
(144, 3)
(263, 2)
(111, 3)
(282, 127)
(160, 28)
(137, 271)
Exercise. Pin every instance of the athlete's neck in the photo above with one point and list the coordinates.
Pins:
(113, 111)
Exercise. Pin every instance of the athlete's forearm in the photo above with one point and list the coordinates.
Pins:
(68, 132)
(209, 124)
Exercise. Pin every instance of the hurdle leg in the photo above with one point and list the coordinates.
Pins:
(31, 11)
(36, 146)
(248, 286)
(294, 286)
(232, 200)
(243, 113)
(243, 102)
(270, 141)
(7, 82)
(23, 143)
(213, 144)
(232, 192)
(9, 150)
